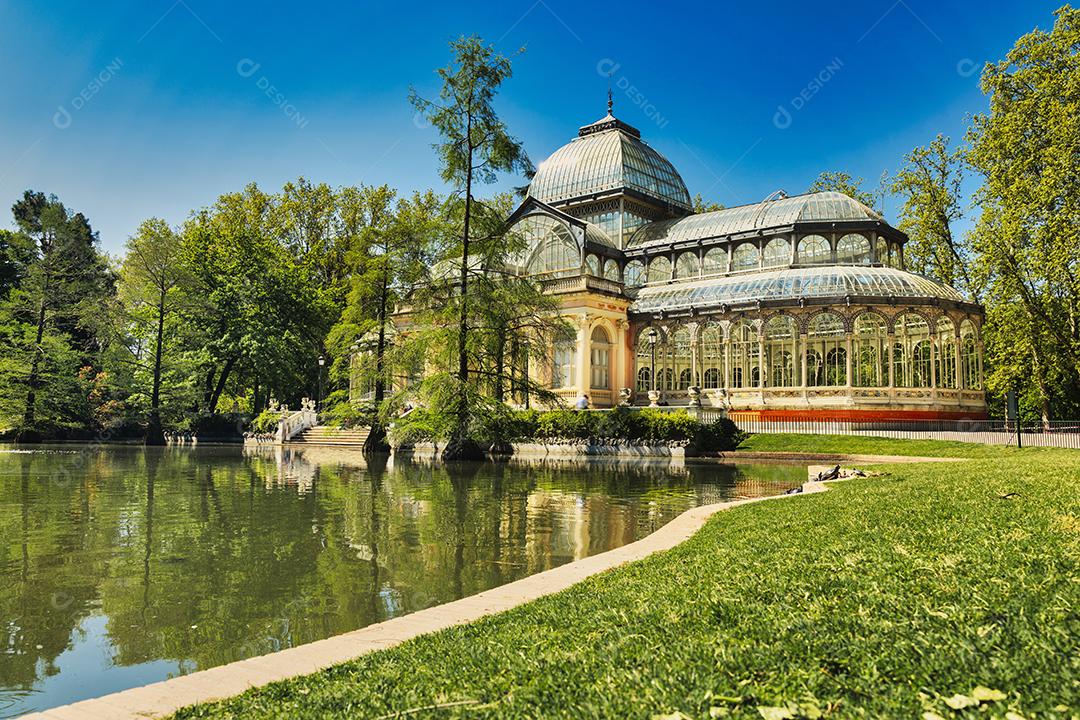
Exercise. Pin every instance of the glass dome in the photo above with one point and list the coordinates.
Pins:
(793, 284)
(608, 155)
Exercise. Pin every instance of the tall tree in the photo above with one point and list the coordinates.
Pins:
(152, 282)
(841, 182)
(1028, 237)
(396, 245)
(476, 147)
(55, 310)
(930, 186)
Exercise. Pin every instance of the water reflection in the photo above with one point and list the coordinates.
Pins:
(125, 566)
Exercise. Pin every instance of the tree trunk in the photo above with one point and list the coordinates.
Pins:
(29, 414)
(220, 387)
(461, 446)
(154, 433)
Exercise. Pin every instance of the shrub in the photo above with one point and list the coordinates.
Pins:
(622, 424)
(266, 423)
(223, 426)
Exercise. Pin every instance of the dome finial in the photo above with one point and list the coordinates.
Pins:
(610, 102)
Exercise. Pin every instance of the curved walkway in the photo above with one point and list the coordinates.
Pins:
(166, 697)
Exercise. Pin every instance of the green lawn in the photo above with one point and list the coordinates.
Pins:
(890, 596)
(782, 442)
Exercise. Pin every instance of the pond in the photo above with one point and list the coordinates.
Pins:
(124, 566)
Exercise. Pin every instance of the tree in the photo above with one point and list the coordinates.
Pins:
(396, 245)
(700, 205)
(54, 313)
(841, 182)
(930, 186)
(1028, 236)
(152, 285)
(476, 147)
(16, 254)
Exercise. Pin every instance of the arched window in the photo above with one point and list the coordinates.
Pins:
(869, 365)
(712, 356)
(611, 270)
(644, 384)
(682, 358)
(853, 249)
(946, 353)
(745, 355)
(911, 351)
(969, 356)
(552, 247)
(814, 250)
(592, 265)
(600, 359)
(634, 275)
(745, 257)
(894, 256)
(659, 270)
(777, 253)
(881, 251)
(781, 338)
(686, 265)
(562, 363)
(715, 261)
(827, 341)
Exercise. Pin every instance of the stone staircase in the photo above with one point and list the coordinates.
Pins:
(326, 435)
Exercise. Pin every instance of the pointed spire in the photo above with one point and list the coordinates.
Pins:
(610, 101)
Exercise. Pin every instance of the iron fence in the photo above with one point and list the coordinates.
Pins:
(1059, 434)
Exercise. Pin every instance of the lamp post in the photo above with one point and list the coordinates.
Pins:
(318, 399)
(654, 396)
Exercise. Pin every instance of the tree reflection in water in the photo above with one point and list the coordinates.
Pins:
(125, 565)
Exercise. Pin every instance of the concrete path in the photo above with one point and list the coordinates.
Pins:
(163, 698)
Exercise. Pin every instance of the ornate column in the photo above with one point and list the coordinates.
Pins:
(890, 339)
(583, 323)
(847, 359)
(958, 374)
(933, 364)
(762, 365)
(804, 346)
(624, 374)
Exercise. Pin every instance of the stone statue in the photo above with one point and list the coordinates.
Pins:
(695, 396)
(626, 397)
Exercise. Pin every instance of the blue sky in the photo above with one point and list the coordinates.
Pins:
(128, 110)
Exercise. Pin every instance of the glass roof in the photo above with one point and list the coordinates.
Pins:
(811, 207)
(607, 156)
(791, 284)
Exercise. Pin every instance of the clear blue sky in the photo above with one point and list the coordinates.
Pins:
(139, 108)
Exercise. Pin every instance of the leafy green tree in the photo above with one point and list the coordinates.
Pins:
(476, 146)
(396, 245)
(153, 284)
(1025, 148)
(53, 317)
(930, 187)
(256, 307)
(841, 182)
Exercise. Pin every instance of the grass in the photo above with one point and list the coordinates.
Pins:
(850, 444)
(951, 589)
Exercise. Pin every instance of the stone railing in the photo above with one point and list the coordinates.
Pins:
(292, 424)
